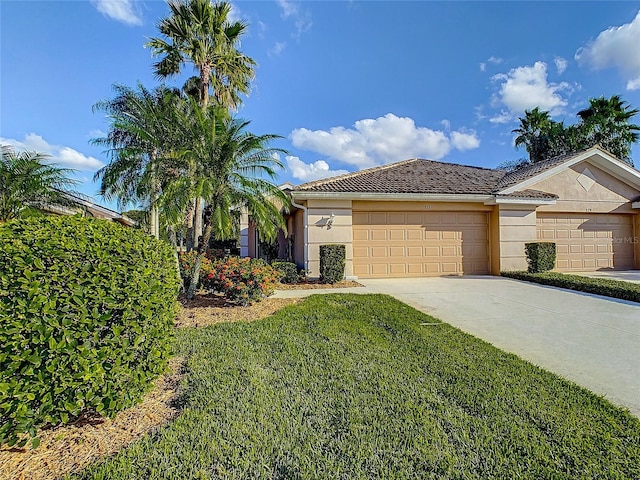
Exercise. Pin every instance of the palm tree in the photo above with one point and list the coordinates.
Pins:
(200, 33)
(140, 142)
(231, 169)
(28, 184)
(534, 134)
(607, 123)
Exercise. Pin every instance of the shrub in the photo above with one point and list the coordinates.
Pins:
(598, 286)
(287, 272)
(241, 280)
(332, 259)
(86, 319)
(187, 261)
(541, 256)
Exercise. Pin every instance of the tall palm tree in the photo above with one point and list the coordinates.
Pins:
(28, 184)
(534, 134)
(200, 33)
(232, 169)
(140, 142)
(607, 122)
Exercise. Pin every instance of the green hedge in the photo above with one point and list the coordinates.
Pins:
(332, 259)
(86, 319)
(287, 271)
(599, 286)
(541, 256)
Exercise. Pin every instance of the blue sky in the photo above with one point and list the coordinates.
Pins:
(349, 85)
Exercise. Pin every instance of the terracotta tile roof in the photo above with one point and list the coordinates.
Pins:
(412, 176)
(532, 170)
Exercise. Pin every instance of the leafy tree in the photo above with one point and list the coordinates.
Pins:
(533, 134)
(28, 184)
(232, 170)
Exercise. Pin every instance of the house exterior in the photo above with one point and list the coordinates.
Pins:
(89, 209)
(425, 218)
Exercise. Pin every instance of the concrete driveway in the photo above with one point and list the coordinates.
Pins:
(590, 340)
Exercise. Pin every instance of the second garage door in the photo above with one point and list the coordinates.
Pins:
(414, 244)
(587, 242)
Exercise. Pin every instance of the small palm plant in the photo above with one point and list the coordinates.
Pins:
(28, 184)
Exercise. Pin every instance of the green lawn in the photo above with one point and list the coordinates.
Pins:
(354, 387)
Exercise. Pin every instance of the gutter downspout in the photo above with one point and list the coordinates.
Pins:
(305, 251)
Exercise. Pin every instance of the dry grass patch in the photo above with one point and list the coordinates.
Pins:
(211, 309)
(69, 448)
(316, 284)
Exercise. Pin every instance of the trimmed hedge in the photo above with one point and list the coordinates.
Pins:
(86, 320)
(332, 260)
(287, 271)
(598, 286)
(541, 256)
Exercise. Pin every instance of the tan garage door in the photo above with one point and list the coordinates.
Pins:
(415, 244)
(586, 242)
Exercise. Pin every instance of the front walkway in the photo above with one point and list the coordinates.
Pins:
(591, 340)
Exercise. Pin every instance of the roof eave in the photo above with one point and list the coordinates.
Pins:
(497, 200)
(393, 197)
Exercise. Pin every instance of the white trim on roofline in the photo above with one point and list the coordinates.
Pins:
(521, 201)
(392, 197)
(598, 156)
(635, 205)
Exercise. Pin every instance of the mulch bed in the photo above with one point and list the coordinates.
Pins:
(69, 448)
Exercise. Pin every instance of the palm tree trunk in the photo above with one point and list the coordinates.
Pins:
(197, 222)
(195, 275)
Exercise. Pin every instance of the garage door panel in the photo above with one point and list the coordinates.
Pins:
(429, 243)
(592, 242)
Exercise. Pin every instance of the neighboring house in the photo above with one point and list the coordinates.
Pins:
(426, 218)
(90, 209)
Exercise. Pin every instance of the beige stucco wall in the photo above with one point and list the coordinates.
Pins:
(607, 195)
(517, 227)
(318, 213)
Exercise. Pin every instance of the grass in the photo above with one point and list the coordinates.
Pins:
(354, 387)
(599, 286)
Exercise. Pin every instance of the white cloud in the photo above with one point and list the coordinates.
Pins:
(278, 48)
(308, 172)
(561, 64)
(616, 47)
(493, 60)
(503, 117)
(382, 140)
(524, 88)
(464, 141)
(301, 17)
(235, 15)
(120, 10)
(64, 156)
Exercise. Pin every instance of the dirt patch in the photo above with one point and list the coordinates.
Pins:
(316, 284)
(211, 309)
(69, 448)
